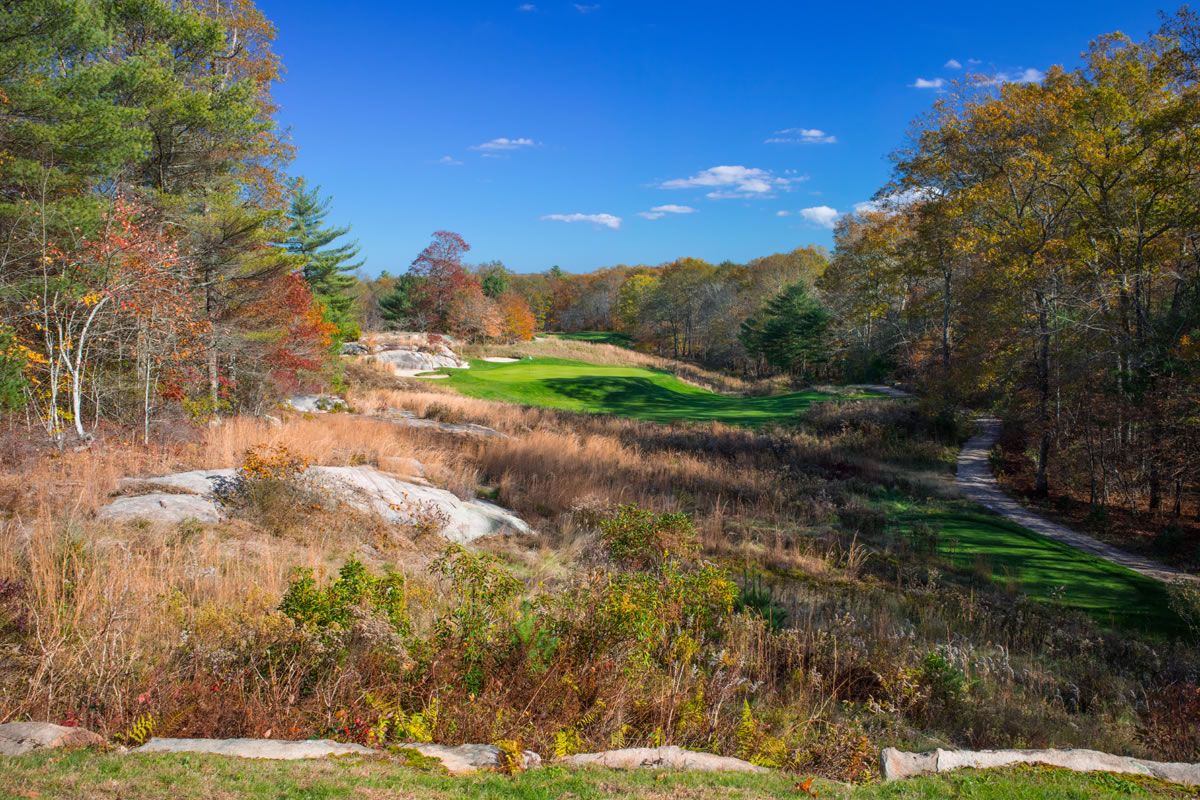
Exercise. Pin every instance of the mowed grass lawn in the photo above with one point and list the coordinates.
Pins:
(614, 338)
(1047, 570)
(85, 774)
(637, 392)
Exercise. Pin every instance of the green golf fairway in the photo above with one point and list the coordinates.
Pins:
(596, 337)
(637, 392)
(1050, 571)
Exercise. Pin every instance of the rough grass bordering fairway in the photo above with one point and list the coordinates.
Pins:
(87, 774)
(637, 392)
(1043, 569)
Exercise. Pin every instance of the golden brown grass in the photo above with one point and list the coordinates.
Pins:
(107, 604)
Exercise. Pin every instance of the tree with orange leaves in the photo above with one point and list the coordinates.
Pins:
(518, 322)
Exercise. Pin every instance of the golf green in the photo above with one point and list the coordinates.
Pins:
(638, 392)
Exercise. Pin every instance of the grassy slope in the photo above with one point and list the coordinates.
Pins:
(638, 392)
(1043, 569)
(191, 777)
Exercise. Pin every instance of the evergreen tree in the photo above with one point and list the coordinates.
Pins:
(400, 305)
(326, 266)
(495, 279)
(790, 333)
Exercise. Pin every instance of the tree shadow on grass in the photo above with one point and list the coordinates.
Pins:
(643, 398)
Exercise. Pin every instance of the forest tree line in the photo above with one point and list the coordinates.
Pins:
(1037, 249)
(1035, 252)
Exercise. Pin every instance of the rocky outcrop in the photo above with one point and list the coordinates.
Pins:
(193, 495)
(280, 749)
(355, 349)
(405, 360)
(410, 420)
(19, 738)
(670, 757)
(410, 503)
(408, 353)
(464, 759)
(160, 507)
(896, 764)
(317, 403)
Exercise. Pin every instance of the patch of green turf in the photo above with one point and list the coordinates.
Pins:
(1047, 570)
(637, 392)
(598, 337)
(87, 774)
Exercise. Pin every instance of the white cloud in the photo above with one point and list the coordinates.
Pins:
(504, 143)
(923, 83)
(450, 161)
(607, 220)
(734, 181)
(801, 136)
(974, 61)
(820, 215)
(658, 212)
(783, 213)
(527, 7)
(897, 200)
(1027, 75)
(953, 63)
(584, 8)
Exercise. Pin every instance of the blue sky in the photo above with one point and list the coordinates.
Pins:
(631, 131)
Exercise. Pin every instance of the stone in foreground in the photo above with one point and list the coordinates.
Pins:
(896, 764)
(670, 757)
(279, 749)
(19, 738)
(464, 759)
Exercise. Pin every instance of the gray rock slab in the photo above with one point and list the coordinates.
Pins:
(317, 403)
(410, 420)
(158, 507)
(669, 757)
(408, 503)
(896, 764)
(464, 759)
(280, 749)
(19, 738)
(414, 359)
(197, 481)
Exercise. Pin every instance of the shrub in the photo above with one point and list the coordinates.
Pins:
(333, 607)
(1185, 602)
(271, 463)
(269, 488)
(946, 682)
(756, 598)
(485, 592)
(639, 538)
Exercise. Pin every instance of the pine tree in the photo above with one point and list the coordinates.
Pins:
(326, 266)
(791, 332)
